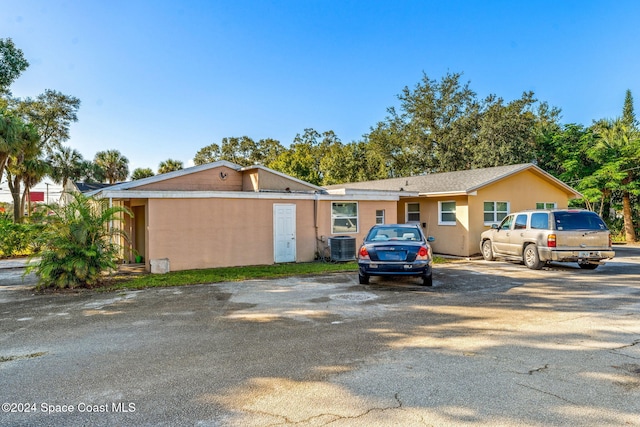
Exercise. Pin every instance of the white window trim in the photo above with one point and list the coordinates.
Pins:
(497, 221)
(357, 217)
(406, 210)
(555, 205)
(384, 219)
(440, 221)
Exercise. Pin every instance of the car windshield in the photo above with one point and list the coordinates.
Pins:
(578, 221)
(381, 234)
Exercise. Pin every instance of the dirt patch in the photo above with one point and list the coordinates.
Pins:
(21, 357)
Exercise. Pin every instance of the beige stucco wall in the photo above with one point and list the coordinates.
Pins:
(522, 191)
(450, 239)
(206, 233)
(217, 179)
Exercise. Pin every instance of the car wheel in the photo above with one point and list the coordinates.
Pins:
(427, 280)
(588, 266)
(363, 279)
(531, 258)
(487, 251)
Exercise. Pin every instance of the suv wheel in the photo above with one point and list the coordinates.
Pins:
(531, 258)
(487, 251)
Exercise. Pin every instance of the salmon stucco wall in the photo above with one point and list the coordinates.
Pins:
(206, 233)
(217, 179)
(366, 218)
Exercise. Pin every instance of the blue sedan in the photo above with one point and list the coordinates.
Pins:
(396, 250)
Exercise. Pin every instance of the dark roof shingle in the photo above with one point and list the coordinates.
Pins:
(446, 182)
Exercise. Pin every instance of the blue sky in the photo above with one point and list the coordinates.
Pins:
(162, 79)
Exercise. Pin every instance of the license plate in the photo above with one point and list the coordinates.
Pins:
(373, 265)
(588, 254)
(408, 266)
(394, 256)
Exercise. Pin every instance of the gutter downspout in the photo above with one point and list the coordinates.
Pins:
(315, 219)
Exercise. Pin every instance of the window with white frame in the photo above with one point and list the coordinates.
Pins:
(344, 217)
(546, 205)
(494, 212)
(413, 212)
(380, 216)
(446, 213)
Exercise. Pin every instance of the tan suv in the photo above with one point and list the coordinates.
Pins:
(541, 236)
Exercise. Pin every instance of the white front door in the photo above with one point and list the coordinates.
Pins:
(284, 233)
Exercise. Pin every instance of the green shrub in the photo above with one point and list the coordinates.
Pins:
(78, 243)
(18, 239)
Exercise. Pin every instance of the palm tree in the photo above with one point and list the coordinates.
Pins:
(140, 173)
(34, 170)
(78, 242)
(25, 148)
(170, 165)
(65, 164)
(114, 164)
(617, 151)
(90, 172)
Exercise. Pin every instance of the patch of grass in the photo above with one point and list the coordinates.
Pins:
(226, 274)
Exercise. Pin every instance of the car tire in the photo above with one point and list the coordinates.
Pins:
(487, 251)
(363, 279)
(427, 280)
(531, 258)
(587, 266)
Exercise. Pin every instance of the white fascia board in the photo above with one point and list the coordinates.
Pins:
(393, 197)
(446, 194)
(370, 193)
(132, 194)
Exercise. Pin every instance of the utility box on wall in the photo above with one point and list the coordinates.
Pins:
(343, 248)
(159, 266)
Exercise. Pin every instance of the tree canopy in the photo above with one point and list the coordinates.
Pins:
(12, 64)
(439, 125)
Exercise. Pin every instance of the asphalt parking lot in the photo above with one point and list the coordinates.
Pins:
(488, 344)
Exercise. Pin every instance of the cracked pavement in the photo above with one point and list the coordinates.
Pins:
(491, 343)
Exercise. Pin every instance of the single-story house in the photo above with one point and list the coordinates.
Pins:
(456, 207)
(221, 214)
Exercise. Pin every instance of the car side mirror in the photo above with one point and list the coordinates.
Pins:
(494, 226)
(431, 239)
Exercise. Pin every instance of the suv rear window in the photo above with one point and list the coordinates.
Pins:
(540, 221)
(578, 221)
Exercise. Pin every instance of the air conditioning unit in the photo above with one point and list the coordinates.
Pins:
(343, 248)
